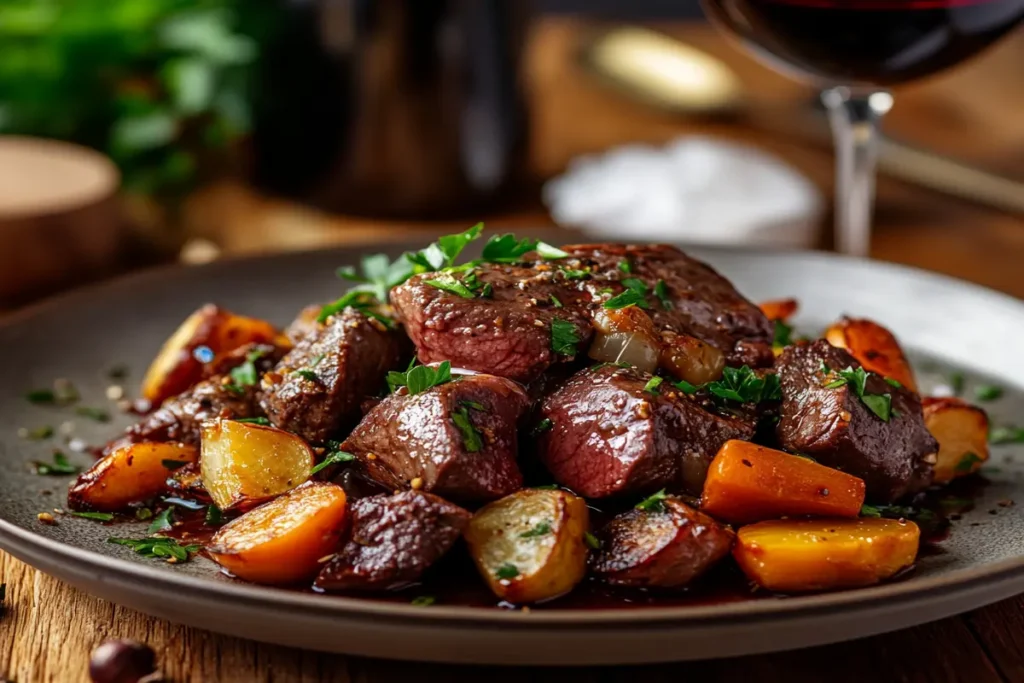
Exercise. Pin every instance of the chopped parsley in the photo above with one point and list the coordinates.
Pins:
(744, 386)
(685, 387)
(480, 289)
(97, 414)
(308, 375)
(543, 426)
(174, 464)
(213, 515)
(898, 512)
(988, 392)
(541, 529)
(507, 571)
(448, 283)
(574, 274)
(39, 433)
(894, 382)
(564, 337)
(879, 404)
(60, 465)
(162, 522)
(625, 266)
(471, 438)
(555, 302)
(360, 300)
(334, 458)
(97, 516)
(956, 383)
(654, 503)
(443, 253)
(41, 397)
(158, 547)
(261, 421)
(379, 274)
(245, 375)
(423, 601)
(592, 541)
(653, 384)
(661, 291)
(967, 463)
(420, 378)
(1003, 435)
(635, 294)
(508, 249)
(783, 335)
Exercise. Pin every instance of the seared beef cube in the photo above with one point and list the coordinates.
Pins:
(832, 424)
(507, 333)
(181, 417)
(667, 545)
(457, 440)
(305, 323)
(393, 540)
(316, 390)
(703, 304)
(607, 436)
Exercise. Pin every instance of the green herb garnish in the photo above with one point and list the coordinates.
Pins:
(423, 601)
(564, 337)
(898, 512)
(543, 426)
(213, 515)
(685, 387)
(653, 384)
(245, 375)
(41, 397)
(162, 522)
(444, 252)
(879, 404)
(307, 375)
(509, 249)
(592, 541)
(334, 458)
(744, 386)
(379, 274)
(97, 516)
(471, 438)
(783, 336)
(555, 302)
(60, 465)
(893, 382)
(635, 294)
(988, 392)
(420, 378)
(39, 433)
(97, 414)
(625, 266)
(507, 571)
(654, 503)
(967, 463)
(661, 291)
(1003, 435)
(574, 274)
(261, 421)
(541, 529)
(449, 284)
(956, 383)
(158, 547)
(361, 300)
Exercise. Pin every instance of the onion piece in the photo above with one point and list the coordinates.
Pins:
(625, 335)
(690, 359)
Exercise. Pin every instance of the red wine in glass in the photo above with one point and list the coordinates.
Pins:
(852, 48)
(868, 41)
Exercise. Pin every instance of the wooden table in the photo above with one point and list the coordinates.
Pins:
(49, 628)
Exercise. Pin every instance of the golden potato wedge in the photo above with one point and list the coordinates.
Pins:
(779, 309)
(246, 464)
(799, 555)
(874, 347)
(529, 546)
(284, 540)
(962, 432)
(176, 368)
(130, 473)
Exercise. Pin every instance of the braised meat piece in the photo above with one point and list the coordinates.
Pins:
(703, 304)
(393, 540)
(508, 333)
(667, 545)
(457, 440)
(316, 390)
(607, 436)
(832, 424)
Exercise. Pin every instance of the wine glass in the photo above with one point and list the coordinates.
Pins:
(853, 49)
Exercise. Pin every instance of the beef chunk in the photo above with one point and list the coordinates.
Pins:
(507, 333)
(832, 425)
(704, 304)
(609, 437)
(667, 547)
(393, 540)
(457, 440)
(316, 390)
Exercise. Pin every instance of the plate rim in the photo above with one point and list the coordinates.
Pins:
(911, 589)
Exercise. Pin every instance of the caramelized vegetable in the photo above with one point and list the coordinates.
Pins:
(625, 335)
(129, 474)
(875, 347)
(779, 309)
(962, 432)
(797, 555)
(749, 483)
(690, 359)
(284, 540)
(176, 367)
(529, 546)
(246, 464)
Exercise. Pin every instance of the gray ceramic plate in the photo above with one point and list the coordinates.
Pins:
(945, 323)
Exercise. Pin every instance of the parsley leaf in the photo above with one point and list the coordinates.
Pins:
(661, 291)
(41, 397)
(333, 458)
(783, 335)
(988, 392)
(245, 375)
(555, 302)
(1002, 435)
(359, 299)
(564, 337)
(879, 404)
(509, 249)
(744, 386)
(592, 541)
(550, 253)
(423, 601)
(653, 503)
(379, 275)
(420, 378)
(967, 463)
(956, 383)
(652, 384)
(60, 465)
(471, 439)
(261, 421)
(543, 426)
(625, 266)
(158, 547)
(444, 252)
(308, 375)
(574, 274)
(449, 284)
(541, 529)
(97, 516)
(97, 414)
(685, 387)
(635, 294)
(213, 515)
(898, 512)
(507, 571)
(39, 433)
(162, 522)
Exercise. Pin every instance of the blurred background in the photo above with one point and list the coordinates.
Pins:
(139, 132)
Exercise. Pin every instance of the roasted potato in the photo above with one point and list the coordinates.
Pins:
(283, 541)
(690, 359)
(176, 368)
(131, 473)
(750, 483)
(798, 555)
(962, 432)
(530, 546)
(875, 347)
(666, 545)
(779, 309)
(246, 464)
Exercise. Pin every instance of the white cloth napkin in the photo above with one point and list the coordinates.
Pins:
(694, 189)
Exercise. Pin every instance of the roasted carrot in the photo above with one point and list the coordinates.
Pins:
(749, 483)
(779, 309)
(129, 474)
(875, 347)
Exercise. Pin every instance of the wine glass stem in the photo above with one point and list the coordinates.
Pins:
(855, 116)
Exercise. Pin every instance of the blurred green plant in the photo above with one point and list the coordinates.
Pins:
(162, 86)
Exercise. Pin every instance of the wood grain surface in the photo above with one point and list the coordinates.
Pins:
(49, 628)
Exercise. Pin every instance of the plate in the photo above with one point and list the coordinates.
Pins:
(945, 323)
